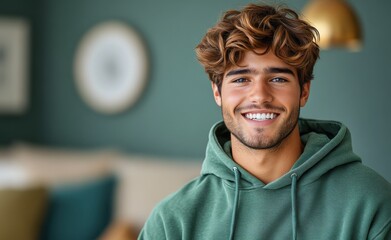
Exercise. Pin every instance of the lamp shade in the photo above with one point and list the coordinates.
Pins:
(336, 22)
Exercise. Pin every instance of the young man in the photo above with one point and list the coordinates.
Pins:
(268, 174)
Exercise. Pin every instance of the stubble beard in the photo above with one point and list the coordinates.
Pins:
(260, 141)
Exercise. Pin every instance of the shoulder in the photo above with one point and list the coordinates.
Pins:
(360, 180)
(186, 199)
(372, 194)
(362, 196)
(362, 177)
(361, 186)
(188, 196)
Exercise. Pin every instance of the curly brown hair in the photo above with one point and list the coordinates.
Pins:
(277, 29)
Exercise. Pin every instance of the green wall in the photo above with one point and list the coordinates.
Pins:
(175, 112)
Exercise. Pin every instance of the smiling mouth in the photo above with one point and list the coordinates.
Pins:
(260, 116)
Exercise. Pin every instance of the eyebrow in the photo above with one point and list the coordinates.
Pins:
(240, 71)
(253, 71)
(279, 70)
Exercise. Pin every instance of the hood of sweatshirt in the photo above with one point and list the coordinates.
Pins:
(327, 145)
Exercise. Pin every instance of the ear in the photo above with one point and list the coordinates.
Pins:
(305, 93)
(216, 93)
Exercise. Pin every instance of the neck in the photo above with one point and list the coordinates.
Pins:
(268, 164)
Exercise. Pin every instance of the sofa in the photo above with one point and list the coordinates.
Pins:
(50, 193)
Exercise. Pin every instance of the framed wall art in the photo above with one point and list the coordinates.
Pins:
(111, 66)
(14, 60)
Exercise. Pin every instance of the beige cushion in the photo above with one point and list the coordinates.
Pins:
(52, 166)
(22, 212)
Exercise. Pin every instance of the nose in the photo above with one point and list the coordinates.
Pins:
(261, 93)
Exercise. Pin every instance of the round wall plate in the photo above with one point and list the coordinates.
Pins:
(111, 67)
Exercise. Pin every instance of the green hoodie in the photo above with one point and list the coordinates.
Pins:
(328, 194)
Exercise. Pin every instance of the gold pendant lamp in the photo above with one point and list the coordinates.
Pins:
(337, 23)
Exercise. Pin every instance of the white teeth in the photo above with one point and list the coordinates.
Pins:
(261, 116)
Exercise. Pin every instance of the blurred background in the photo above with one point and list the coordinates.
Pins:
(172, 117)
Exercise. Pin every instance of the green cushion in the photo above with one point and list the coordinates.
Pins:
(80, 211)
(22, 212)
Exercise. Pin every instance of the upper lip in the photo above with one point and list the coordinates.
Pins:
(265, 111)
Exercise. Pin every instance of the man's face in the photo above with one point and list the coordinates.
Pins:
(261, 100)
